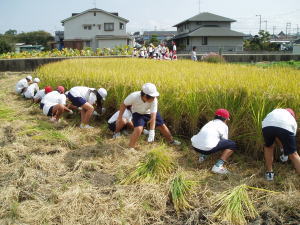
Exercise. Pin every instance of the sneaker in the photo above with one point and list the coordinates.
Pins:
(117, 135)
(125, 132)
(96, 114)
(146, 132)
(219, 170)
(284, 158)
(202, 158)
(53, 119)
(175, 142)
(86, 126)
(269, 176)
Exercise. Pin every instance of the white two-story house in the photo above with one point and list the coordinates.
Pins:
(95, 28)
(208, 33)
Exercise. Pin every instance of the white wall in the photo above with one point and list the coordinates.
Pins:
(218, 41)
(111, 43)
(74, 27)
(194, 25)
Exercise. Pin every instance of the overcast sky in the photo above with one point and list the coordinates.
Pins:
(30, 15)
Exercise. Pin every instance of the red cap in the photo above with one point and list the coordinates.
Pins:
(223, 113)
(48, 89)
(61, 89)
(291, 111)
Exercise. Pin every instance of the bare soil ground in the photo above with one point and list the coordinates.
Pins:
(60, 174)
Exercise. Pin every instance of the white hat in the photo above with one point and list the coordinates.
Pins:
(36, 80)
(29, 78)
(150, 89)
(102, 92)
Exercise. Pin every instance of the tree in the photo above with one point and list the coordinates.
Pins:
(154, 40)
(11, 32)
(35, 37)
(5, 46)
(260, 42)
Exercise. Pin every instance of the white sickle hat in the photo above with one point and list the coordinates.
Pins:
(150, 89)
(36, 80)
(29, 78)
(102, 92)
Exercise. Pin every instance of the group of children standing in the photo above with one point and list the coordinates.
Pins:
(160, 52)
(139, 111)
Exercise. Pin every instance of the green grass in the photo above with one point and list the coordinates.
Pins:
(46, 132)
(155, 167)
(7, 114)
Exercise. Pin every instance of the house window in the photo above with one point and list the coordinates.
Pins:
(88, 44)
(87, 27)
(204, 40)
(95, 14)
(99, 26)
(109, 26)
(122, 26)
(188, 41)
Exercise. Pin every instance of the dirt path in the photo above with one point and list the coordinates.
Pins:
(60, 174)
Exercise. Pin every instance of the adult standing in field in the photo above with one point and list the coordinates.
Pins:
(22, 85)
(144, 105)
(194, 54)
(41, 94)
(174, 50)
(86, 98)
(54, 104)
(280, 125)
(32, 89)
(212, 138)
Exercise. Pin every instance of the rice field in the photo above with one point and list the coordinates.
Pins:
(190, 92)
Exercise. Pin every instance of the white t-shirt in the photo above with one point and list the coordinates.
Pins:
(84, 92)
(51, 99)
(40, 94)
(20, 85)
(29, 93)
(174, 48)
(280, 118)
(210, 135)
(126, 115)
(138, 105)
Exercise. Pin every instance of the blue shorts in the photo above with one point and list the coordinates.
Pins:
(141, 120)
(50, 112)
(287, 138)
(222, 145)
(77, 101)
(113, 126)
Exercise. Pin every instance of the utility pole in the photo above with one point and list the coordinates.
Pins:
(297, 30)
(266, 21)
(94, 3)
(199, 6)
(259, 22)
(274, 28)
(287, 28)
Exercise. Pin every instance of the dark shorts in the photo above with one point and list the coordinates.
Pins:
(42, 105)
(50, 111)
(77, 101)
(141, 120)
(286, 137)
(113, 126)
(222, 145)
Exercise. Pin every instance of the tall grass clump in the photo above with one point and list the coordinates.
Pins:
(234, 206)
(190, 92)
(180, 188)
(155, 167)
